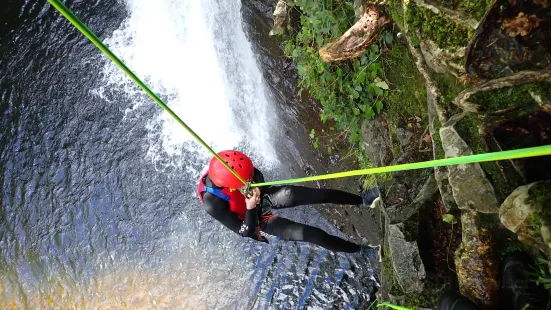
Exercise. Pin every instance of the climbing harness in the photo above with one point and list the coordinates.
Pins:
(470, 159)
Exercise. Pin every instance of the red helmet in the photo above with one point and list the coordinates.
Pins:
(238, 161)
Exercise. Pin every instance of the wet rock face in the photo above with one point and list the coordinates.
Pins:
(446, 192)
(402, 212)
(408, 267)
(475, 262)
(471, 189)
(377, 142)
(527, 212)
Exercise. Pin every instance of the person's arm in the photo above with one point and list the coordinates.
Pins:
(219, 209)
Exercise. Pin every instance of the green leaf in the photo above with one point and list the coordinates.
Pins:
(358, 88)
(374, 73)
(316, 143)
(319, 41)
(356, 111)
(379, 106)
(375, 48)
(388, 38)
(393, 306)
(329, 150)
(382, 84)
(320, 67)
(369, 113)
(356, 63)
(448, 218)
(361, 77)
(312, 133)
(363, 60)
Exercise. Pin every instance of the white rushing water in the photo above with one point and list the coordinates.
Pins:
(99, 208)
(197, 57)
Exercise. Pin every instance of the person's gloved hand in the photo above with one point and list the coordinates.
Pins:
(253, 198)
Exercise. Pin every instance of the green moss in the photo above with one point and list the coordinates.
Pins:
(535, 223)
(449, 89)
(475, 8)
(427, 299)
(396, 11)
(408, 96)
(438, 27)
(388, 270)
(540, 193)
(507, 97)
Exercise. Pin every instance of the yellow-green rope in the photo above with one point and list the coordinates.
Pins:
(504, 155)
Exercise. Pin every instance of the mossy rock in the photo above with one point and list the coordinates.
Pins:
(474, 8)
(521, 96)
(437, 27)
(408, 96)
(526, 212)
(396, 11)
(503, 175)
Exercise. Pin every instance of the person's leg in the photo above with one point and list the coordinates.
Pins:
(453, 300)
(290, 196)
(517, 290)
(293, 231)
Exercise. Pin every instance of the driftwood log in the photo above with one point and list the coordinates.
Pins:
(358, 38)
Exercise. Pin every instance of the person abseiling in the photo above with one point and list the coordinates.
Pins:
(252, 216)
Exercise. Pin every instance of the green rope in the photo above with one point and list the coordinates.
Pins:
(97, 42)
(504, 155)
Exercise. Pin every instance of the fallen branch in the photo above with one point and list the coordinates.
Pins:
(358, 38)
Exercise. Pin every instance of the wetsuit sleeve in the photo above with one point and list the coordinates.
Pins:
(219, 209)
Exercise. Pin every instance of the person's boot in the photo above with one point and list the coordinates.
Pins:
(452, 300)
(517, 291)
(369, 196)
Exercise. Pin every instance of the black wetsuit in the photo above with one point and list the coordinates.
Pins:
(280, 197)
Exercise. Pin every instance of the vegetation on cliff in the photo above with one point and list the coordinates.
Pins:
(349, 91)
(443, 78)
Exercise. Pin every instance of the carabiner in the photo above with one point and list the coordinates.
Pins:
(246, 190)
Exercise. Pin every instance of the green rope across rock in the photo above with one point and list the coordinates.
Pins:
(470, 159)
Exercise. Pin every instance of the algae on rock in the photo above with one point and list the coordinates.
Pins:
(527, 212)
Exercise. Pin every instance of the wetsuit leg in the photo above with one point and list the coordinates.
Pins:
(293, 231)
(290, 196)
